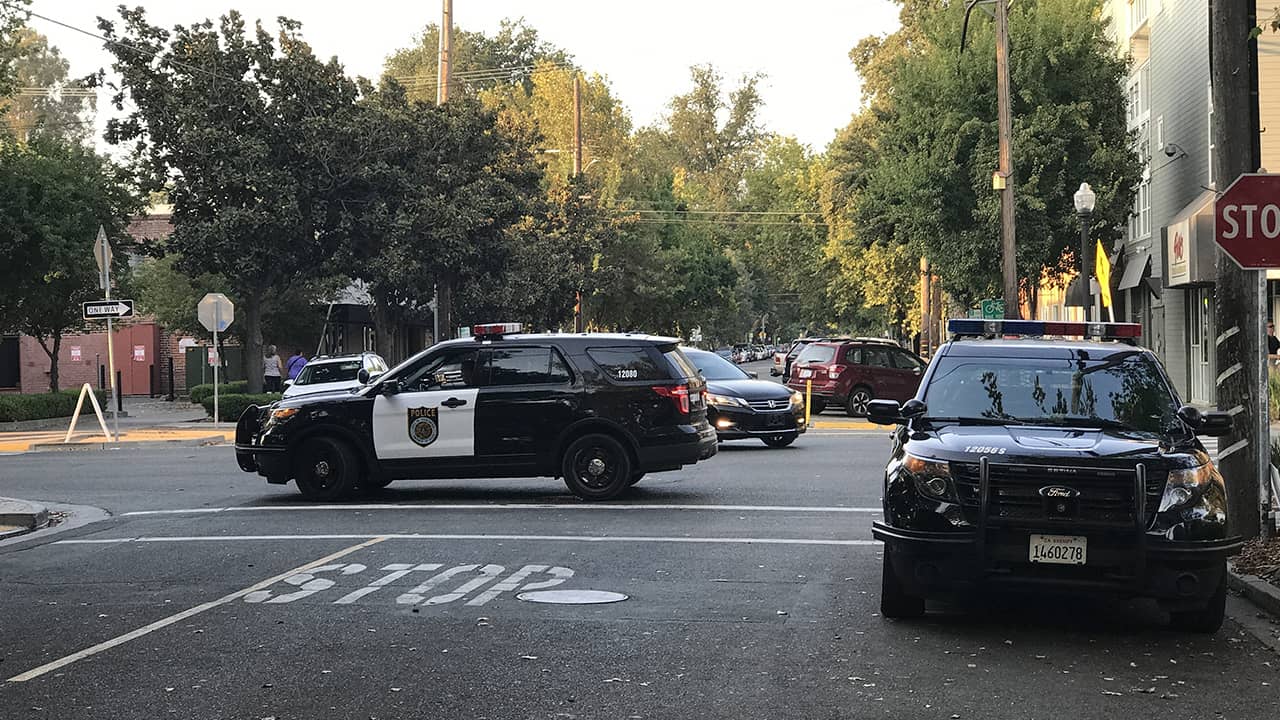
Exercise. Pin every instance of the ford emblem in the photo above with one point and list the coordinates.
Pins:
(1059, 491)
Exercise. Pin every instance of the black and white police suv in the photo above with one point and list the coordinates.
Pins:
(1030, 461)
(599, 410)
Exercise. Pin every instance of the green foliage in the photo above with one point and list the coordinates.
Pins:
(1273, 397)
(250, 135)
(923, 160)
(16, 408)
(199, 393)
(232, 406)
(54, 195)
(39, 65)
(11, 24)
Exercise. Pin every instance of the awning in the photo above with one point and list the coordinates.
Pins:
(1137, 268)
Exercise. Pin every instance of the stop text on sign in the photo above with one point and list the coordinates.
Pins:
(1266, 220)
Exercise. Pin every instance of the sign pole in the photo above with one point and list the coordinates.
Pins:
(111, 342)
(217, 355)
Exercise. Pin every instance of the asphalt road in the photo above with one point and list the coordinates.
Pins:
(752, 586)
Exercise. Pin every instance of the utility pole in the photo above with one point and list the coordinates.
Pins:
(1008, 246)
(1244, 454)
(926, 317)
(444, 72)
(579, 323)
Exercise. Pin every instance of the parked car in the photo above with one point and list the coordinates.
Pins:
(326, 374)
(852, 373)
(740, 406)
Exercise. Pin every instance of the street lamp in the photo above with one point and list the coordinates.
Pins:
(1084, 199)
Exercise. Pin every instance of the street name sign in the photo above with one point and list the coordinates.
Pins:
(216, 312)
(1247, 221)
(104, 309)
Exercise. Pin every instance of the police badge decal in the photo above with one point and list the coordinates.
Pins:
(423, 428)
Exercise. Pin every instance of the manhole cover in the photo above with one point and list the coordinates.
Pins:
(572, 597)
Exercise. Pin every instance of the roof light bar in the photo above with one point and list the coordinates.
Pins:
(492, 330)
(1040, 328)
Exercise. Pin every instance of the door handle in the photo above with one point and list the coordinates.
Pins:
(454, 402)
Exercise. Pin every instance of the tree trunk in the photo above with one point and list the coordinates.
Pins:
(446, 306)
(253, 342)
(384, 329)
(53, 358)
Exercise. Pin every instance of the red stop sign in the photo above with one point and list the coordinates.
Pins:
(1247, 221)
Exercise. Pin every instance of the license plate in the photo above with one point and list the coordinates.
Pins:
(1058, 549)
(777, 419)
(806, 373)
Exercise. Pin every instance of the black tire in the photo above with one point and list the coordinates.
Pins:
(779, 441)
(1206, 620)
(856, 405)
(326, 468)
(894, 600)
(596, 467)
(817, 406)
(635, 478)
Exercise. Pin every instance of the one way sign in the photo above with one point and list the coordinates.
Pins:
(103, 309)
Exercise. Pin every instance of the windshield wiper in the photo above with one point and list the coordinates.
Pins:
(976, 420)
(1093, 422)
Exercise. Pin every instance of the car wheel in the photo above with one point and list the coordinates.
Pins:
(817, 406)
(895, 602)
(859, 397)
(1206, 620)
(779, 441)
(596, 467)
(326, 469)
(636, 477)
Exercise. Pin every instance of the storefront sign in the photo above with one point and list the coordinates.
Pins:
(1179, 240)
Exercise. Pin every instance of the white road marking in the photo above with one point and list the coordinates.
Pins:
(398, 570)
(147, 629)
(509, 506)
(421, 536)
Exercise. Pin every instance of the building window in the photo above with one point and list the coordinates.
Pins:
(1211, 145)
(1159, 134)
(1137, 13)
(1140, 221)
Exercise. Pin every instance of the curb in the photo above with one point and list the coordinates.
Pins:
(24, 516)
(86, 447)
(1258, 591)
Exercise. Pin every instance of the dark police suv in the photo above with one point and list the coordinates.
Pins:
(599, 410)
(1031, 463)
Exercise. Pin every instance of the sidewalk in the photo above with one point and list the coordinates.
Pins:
(147, 420)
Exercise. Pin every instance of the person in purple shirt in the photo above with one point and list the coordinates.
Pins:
(295, 363)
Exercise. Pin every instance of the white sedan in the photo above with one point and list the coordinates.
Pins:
(326, 374)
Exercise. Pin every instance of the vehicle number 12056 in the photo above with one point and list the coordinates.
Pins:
(1058, 549)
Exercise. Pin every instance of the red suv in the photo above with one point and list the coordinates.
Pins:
(852, 373)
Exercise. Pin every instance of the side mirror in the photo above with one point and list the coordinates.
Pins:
(753, 374)
(362, 376)
(391, 387)
(1211, 424)
(884, 412)
(913, 409)
(287, 383)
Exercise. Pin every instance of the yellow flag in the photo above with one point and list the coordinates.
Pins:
(1102, 270)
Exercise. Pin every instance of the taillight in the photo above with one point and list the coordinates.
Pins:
(834, 371)
(679, 394)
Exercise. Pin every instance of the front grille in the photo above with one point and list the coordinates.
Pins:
(1106, 495)
(770, 405)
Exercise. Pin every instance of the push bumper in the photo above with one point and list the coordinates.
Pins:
(1179, 574)
(269, 462)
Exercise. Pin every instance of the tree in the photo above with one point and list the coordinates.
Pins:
(54, 195)
(12, 21)
(250, 136)
(46, 101)
(932, 120)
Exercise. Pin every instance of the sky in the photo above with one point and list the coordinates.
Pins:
(643, 47)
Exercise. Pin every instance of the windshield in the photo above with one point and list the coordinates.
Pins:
(820, 354)
(314, 374)
(714, 367)
(1128, 391)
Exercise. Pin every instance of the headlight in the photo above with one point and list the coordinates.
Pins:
(932, 478)
(1187, 487)
(797, 399)
(281, 414)
(722, 400)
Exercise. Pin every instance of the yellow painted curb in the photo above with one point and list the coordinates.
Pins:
(22, 442)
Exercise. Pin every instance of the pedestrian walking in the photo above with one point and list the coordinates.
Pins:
(295, 363)
(271, 367)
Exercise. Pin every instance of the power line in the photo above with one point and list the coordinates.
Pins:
(784, 213)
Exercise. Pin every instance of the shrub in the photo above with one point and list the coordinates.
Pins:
(232, 406)
(200, 392)
(14, 408)
(1273, 384)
